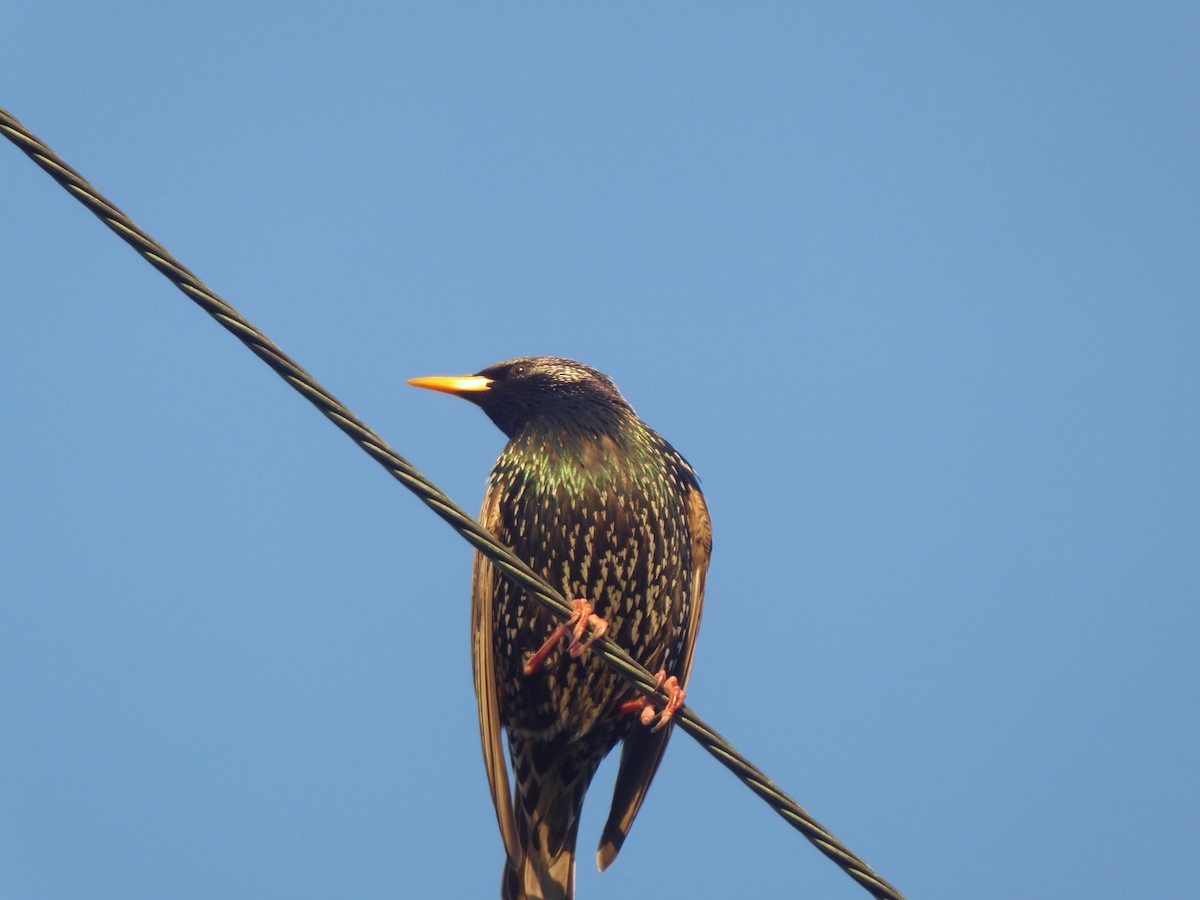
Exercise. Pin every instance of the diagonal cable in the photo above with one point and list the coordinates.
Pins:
(404, 472)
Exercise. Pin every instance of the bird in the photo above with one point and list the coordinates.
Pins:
(609, 513)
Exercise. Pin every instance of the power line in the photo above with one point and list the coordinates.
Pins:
(407, 474)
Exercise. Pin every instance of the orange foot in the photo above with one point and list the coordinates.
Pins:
(648, 713)
(584, 615)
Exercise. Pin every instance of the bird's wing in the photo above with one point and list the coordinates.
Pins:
(700, 527)
(487, 697)
(643, 749)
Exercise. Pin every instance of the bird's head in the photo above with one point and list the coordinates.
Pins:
(540, 391)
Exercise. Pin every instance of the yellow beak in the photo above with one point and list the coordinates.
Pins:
(467, 384)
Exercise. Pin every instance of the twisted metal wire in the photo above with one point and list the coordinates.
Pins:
(404, 472)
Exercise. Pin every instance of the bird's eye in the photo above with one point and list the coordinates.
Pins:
(519, 370)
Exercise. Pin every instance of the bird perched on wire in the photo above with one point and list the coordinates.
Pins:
(609, 513)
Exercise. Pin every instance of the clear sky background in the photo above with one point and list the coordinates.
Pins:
(916, 290)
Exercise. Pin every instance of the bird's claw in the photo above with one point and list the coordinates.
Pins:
(583, 618)
(586, 618)
(676, 696)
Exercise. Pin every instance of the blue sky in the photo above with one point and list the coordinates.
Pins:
(915, 289)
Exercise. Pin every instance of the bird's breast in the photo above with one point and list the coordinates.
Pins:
(610, 540)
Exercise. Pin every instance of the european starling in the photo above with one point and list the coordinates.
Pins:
(608, 512)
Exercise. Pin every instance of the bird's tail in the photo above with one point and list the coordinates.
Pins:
(546, 807)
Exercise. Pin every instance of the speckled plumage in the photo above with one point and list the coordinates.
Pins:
(606, 510)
